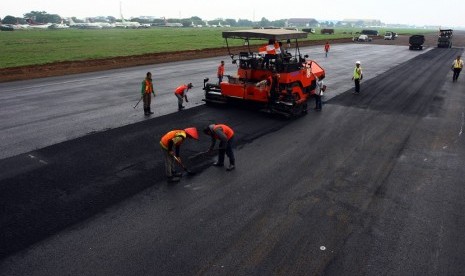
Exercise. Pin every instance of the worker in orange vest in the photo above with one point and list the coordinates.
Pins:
(170, 145)
(146, 90)
(181, 92)
(220, 72)
(225, 134)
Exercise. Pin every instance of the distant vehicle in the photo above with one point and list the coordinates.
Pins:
(416, 42)
(327, 31)
(127, 24)
(85, 25)
(390, 36)
(445, 38)
(363, 38)
(7, 28)
(308, 30)
(58, 26)
(35, 25)
(370, 32)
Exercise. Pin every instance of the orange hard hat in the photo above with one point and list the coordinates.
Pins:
(192, 132)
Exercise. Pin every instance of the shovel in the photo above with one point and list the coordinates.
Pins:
(182, 165)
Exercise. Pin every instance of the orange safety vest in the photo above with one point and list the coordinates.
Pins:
(177, 136)
(221, 70)
(226, 130)
(148, 87)
(180, 89)
(268, 49)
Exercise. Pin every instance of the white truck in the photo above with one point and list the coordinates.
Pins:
(390, 36)
(362, 38)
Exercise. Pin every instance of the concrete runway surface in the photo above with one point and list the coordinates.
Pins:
(373, 184)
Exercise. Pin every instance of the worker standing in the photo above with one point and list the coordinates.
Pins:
(225, 134)
(319, 89)
(357, 77)
(146, 91)
(220, 72)
(457, 66)
(327, 48)
(170, 145)
(181, 93)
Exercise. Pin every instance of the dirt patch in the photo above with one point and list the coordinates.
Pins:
(93, 65)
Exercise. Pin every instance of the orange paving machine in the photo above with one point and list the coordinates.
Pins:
(278, 77)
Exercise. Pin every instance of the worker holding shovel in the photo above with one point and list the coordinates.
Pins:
(146, 91)
(170, 144)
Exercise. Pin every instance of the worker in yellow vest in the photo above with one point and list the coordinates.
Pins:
(170, 145)
(457, 66)
(357, 77)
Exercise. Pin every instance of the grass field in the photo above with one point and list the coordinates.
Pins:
(31, 47)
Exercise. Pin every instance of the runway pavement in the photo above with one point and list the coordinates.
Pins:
(43, 112)
(371, 185)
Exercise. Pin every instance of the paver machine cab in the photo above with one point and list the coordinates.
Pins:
(445, 38)
(281, 81)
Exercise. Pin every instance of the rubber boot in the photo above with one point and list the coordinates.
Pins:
(174, 179)
(149, 111)
(146, 111)
(220, 162)
(232, 165)
(180, 107)
(176, 174)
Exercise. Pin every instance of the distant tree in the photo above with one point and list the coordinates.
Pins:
(158, 21)
(196, 18)
(187, 22)
(9, 20)
(212, 22)
(111, 19)
(264, 22)
(244, 23)
(278, 23)
(230, 22)
(173, 20)
(43, 17)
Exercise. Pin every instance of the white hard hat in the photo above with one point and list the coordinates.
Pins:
(357, 62)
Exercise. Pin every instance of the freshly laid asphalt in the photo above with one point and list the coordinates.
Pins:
(373, 184)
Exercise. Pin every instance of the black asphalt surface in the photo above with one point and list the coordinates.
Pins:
(371, 185)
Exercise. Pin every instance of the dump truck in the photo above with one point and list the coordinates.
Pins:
(416, 42)
(445, 38)
(327, 31)
(280, 82)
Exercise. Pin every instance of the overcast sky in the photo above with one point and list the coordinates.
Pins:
(448, 13)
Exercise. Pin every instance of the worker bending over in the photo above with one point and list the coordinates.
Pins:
(173, 140)
(181, 92)
(226, 136)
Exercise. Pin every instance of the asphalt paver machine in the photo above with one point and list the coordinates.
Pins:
(281, 80)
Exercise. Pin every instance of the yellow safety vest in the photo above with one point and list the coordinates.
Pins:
(357, 72)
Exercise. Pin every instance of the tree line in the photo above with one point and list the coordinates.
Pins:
(42, 17)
